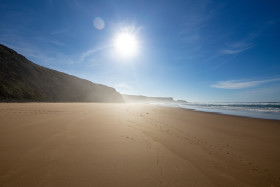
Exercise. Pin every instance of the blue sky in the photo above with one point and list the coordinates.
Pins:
(191, 50)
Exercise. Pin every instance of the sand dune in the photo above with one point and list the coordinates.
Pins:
(134, 145)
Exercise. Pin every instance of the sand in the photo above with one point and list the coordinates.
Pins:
(83, 144)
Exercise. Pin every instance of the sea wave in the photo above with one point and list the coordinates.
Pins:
(258, 107)
(266, 110)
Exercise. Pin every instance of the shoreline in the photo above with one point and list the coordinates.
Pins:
(232, 112)
(103, 144)
(218, 113)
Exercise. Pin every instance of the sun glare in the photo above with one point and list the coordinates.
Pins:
(126, 44)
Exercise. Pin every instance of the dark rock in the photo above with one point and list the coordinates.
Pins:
(24, 81)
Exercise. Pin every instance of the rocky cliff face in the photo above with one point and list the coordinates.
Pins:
(24, 81)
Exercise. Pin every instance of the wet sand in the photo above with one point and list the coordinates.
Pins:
(83, 144)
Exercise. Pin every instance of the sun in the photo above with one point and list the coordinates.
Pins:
(126, 44)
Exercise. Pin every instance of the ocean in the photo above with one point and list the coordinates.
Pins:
(265, 110)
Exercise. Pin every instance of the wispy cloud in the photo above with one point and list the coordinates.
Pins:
(234, 84)
(237, 47)
(92, 51)
(234, 51)
(224, 62)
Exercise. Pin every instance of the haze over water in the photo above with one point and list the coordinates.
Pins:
(265, 110)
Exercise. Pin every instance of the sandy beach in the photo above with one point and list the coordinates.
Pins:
(84, 144)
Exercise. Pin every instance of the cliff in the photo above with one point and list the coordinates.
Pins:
(24, 81)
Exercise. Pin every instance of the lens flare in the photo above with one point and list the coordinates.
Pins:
(98, 23)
